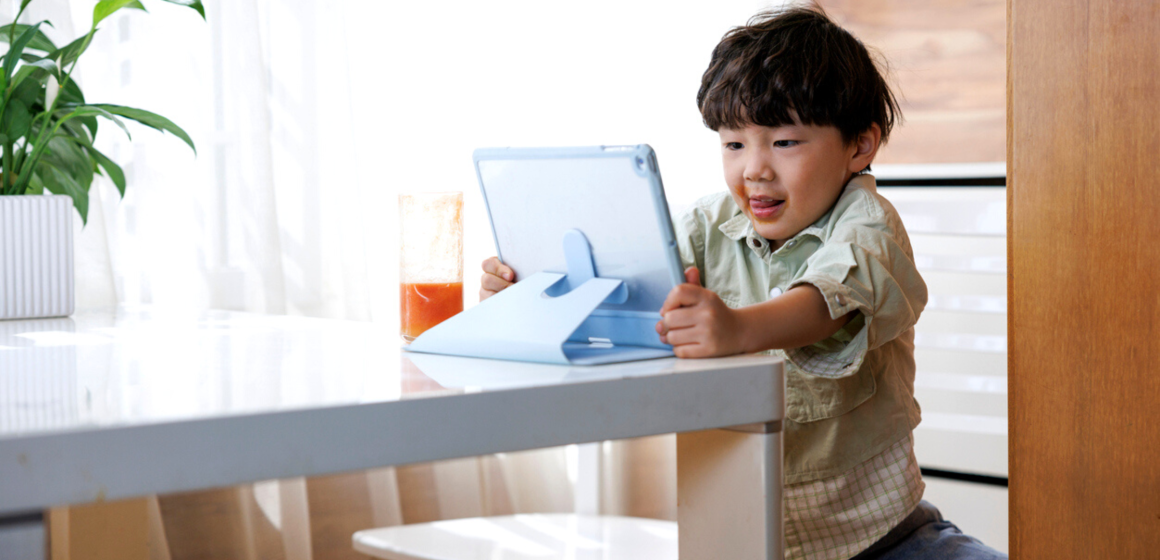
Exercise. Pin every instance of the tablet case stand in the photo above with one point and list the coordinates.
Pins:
(552, 318)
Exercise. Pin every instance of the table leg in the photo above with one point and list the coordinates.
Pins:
(22, 537)
(729, 485)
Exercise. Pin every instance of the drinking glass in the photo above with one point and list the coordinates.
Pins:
(431, 260)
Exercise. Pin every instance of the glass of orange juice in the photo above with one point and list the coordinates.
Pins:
(431, 260)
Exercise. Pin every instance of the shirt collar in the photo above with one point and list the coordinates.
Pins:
(737, 227)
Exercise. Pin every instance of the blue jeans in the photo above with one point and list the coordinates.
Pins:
(924, 534)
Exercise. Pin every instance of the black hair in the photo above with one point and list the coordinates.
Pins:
(795, 62)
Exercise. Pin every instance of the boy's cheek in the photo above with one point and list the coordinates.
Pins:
(739, 197)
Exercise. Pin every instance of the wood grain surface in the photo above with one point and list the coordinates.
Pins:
(1084, 279)
(104, 531)
(946, 62)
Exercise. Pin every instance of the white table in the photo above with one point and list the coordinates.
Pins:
(137, 401)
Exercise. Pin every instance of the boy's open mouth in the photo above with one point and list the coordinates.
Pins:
(764, 207)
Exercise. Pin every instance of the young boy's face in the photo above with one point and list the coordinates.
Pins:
(786, 178)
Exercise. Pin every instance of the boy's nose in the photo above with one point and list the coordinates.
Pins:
(758, 169)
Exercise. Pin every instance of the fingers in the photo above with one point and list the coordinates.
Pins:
(682, 327)
(492, 266)
(682, 296)
(491, 284)
(694, 350)
(668, 325)
(693, 276)
(697, 324)
(683, 337)
(686, 342)
(496, 277)
(674, 312)
(694, 342)
(683, 318)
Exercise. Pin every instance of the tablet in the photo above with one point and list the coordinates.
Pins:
(612, 194)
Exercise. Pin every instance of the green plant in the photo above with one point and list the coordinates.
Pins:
(47, 129)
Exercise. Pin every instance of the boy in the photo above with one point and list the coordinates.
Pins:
(802, 257)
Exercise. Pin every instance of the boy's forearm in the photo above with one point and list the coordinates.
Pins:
(797, 318)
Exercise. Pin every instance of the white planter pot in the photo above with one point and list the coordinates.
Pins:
(36, 257)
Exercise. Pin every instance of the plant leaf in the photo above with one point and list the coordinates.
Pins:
(77, 128)
(66, 154)
(35, 185)
(39, 42)
(27, 90)
(112, 170)
(106, 8)
(91, 124)
(44, 64)
(195, 4)
(71, 93)
(95, 111)
(17, 119)
(17, 49)
(59, 182)
(146, 118)
(68, 54)
(39, 70)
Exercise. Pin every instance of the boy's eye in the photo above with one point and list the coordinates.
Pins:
(786, 143)
(733, 146)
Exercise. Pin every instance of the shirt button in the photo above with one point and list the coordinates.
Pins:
(774, 292)
(841, 300)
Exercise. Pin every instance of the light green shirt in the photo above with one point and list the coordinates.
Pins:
(851, 396)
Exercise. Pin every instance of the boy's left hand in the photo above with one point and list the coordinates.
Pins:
(697, 323)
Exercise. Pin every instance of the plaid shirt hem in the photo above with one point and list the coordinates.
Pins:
(838, 517)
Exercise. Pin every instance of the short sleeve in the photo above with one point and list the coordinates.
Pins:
(690, 241)
(866, 266)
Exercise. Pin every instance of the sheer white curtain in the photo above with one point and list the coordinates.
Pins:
(268, 217)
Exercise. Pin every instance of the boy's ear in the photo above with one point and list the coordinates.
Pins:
(866, 147)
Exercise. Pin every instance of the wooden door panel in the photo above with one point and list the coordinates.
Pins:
(1084, 278)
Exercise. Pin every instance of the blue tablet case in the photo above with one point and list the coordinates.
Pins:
(588, 232)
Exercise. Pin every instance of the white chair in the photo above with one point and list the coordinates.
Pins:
(530, 481)
(524, 537)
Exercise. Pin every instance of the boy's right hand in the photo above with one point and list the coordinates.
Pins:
(697, 323)
(496, 277)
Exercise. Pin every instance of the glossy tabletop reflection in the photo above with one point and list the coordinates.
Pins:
(132, 366)
(141, 365)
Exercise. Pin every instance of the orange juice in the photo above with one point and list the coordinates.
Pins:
(424, 305)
